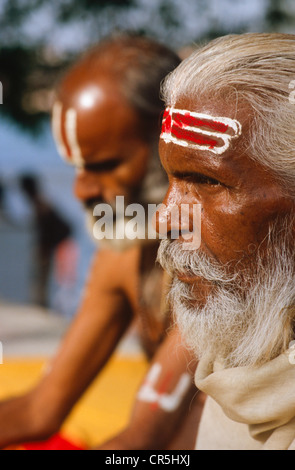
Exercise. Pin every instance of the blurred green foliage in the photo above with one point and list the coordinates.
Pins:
(29, 70)
(25, 68)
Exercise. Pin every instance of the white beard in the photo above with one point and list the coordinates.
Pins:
(242, 325)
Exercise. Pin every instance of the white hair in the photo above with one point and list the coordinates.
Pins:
(253, 69)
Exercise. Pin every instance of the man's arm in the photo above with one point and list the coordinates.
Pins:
(102, 320)
(168, 405)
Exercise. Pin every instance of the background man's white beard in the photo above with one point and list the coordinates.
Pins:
(109, 241)
(247, 327)
(155, 183)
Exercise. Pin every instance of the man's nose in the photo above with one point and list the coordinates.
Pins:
(87, 186)
(178, 218)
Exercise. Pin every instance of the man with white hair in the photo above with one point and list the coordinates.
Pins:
(228, 143)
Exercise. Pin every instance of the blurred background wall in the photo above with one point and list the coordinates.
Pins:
(38, 40)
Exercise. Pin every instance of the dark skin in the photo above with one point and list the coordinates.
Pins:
(115, 161)
(240, 198)
(115, 157)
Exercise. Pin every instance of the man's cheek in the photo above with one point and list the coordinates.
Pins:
(292, 352)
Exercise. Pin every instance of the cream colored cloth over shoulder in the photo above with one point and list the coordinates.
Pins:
(248, 407)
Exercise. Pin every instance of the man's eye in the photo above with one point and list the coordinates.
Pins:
(100, 167)
(201, 179)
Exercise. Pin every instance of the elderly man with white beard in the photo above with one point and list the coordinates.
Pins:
(228, 143)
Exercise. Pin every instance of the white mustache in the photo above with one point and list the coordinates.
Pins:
(175, 259)
(248, 322)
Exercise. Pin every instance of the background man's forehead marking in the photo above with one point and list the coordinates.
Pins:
(56, 129)
(71, 121)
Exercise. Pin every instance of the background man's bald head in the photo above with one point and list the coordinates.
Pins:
(134, 66)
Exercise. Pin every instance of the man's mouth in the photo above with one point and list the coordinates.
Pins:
(187, 277)
(193, 279)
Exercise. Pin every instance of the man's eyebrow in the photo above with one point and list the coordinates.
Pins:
(105, 165)
(195, 175)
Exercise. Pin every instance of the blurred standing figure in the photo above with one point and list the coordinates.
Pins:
(51, 230)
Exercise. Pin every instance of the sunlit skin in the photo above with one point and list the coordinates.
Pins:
(115, 156)
(239, 197)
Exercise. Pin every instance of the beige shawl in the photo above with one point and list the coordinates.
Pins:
(250, 407)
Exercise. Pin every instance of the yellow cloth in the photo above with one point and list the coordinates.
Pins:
(101, 412)
(249, 407)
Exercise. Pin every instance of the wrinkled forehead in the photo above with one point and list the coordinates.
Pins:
(74, 118)
(92, 116)
(200, 129)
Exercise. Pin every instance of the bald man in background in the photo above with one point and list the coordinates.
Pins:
(106, 122)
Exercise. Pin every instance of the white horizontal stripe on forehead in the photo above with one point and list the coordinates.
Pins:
(197, 130)
(232, 123)
(184, 143)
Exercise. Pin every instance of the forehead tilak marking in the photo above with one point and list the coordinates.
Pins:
(56, 130)
(73, 153)
(186, 128)
(71, 131)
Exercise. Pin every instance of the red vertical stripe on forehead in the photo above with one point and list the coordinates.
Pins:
(167, 122)
(188, 120)
(200, 129)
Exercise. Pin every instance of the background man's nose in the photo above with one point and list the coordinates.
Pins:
(87, 186)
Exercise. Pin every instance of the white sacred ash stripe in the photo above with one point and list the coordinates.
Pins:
(166, 401)
(71, 131)
(56, 129)
(231, 123)
(184, 143)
